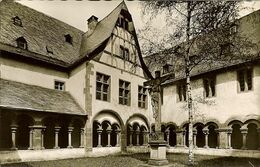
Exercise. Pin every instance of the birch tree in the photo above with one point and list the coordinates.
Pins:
(198, 32)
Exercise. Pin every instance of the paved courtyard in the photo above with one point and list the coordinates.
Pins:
(132, 160)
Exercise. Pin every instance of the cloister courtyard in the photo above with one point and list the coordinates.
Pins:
(130, 160)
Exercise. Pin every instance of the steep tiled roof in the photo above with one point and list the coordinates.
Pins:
(103, 31)
(15, 95)
(40, 31)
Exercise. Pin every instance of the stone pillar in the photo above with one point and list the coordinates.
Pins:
(224, 138)
(82, 134)
(244, 133)
(195, 138)
(57, 129)
(168, 137)
(180, 138)
(117, 138)
(184, 138)
(30, 139)
(70, 129)
(137, 132)
(99, 131)
(42, 138)
(131, 138)
(145, 138)
(13, 130)
(229, 132)
(206, 133)
(108, 136)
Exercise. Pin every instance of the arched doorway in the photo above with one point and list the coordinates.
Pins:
(172, 135)
(49, 133)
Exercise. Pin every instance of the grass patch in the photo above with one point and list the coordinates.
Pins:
(132, 160)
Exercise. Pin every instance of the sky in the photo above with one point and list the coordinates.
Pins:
(76, 13)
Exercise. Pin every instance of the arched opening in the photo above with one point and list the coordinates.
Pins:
(129, 131)
(142, 135)
(63, 133)
(5, 131)
(114, 133)
(136, 134)
(76, 133)
(163, 130)
(186, 127)
(172, 135)
(212, 137)
(23, 131)
(104, 135)
(200, 136)
(252, 137)
(236, 137)
(49, 134)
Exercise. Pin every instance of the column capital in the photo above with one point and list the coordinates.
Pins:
(244, 131)
(70, 129)
(37, 127)
(227, 130)
(117, 130)
(99, 130)
(205, 131)
(57, 129)
(194, 131)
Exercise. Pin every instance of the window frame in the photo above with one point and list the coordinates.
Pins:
(22, 43)
(183, 97)
(210, 80)
(124, 89)
(102, 92)
(245, 79)
(142, 91)
(59, 81)
(17, 21)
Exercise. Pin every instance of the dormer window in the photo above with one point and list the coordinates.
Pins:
(21, 43)
(167, 68)
(233, 29)
(68, 38)
(17, 21)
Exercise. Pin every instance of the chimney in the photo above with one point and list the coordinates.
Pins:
(92, 22)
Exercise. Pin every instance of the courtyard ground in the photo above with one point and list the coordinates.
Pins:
(132, 160)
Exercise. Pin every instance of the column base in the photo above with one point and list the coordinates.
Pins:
(14, 148)
(158, 162)
(206, 147)
(108, 146)
(81, 146)
(57, 147)
(30, 148)
(70, 147)
(99, 146)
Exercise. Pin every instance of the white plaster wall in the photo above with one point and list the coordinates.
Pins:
(76, 84)
(229, 102)
(30, 74)
(115, 74)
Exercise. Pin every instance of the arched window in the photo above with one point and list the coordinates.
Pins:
(17, 21)
(68, 38)
(21, 43)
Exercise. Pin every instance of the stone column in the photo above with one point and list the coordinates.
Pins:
(195, 138)
(145, 138)
(42, 138)
(180, 138)
(244, 133)
(229, 132)
(108, 136)
(137, 132)
(167, 132)
(56, 129)
(70, 129)
(13, 130)
(184, 138)
(82, 134)
(117, 138)
(131, 138)
(99, 131)
(30, 139)
(206, 133)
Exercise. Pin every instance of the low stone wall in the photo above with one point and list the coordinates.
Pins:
(138, 149)
(40, 155)
(218, 152)
(103, 151)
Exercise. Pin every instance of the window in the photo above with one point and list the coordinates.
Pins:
(59, 85)
(49, 49)
(209, 87)
(245, 80)
(167, 68)
(21, 43)
(122, 22)
(181, 89)
(124, 53)
(124, 92)
(68, 38)
(233, 29)
(102, 87)
(17, 21)
(141, 97)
